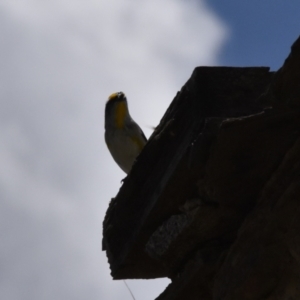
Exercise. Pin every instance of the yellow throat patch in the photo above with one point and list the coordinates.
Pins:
(120, 114)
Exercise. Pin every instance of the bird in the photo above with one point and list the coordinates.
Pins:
(123, 136)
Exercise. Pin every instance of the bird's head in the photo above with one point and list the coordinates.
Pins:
(116, 110)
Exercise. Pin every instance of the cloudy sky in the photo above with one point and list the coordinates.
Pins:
(59, 61)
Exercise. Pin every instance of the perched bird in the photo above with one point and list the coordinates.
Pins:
(124, 138)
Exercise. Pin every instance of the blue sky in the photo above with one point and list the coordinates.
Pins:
(261, 31)
(60, 60)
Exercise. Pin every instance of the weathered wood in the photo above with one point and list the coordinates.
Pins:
(166, 172)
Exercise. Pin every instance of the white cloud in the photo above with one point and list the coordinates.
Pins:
(59, 62)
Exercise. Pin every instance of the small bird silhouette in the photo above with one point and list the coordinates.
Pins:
(123, 136)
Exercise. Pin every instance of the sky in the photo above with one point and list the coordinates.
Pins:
(59, 62)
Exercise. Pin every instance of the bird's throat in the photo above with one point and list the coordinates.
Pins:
(121, 110)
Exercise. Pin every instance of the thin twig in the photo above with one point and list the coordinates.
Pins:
(129, 290)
